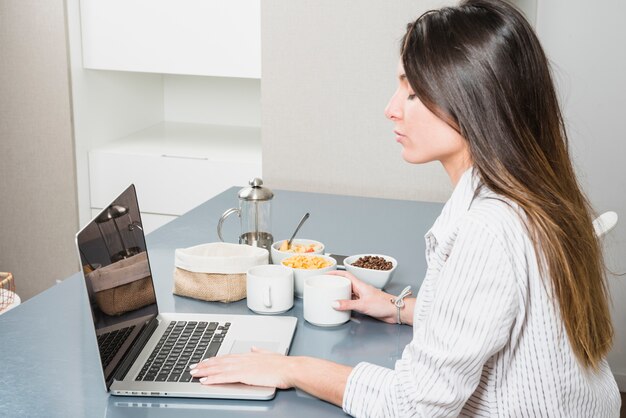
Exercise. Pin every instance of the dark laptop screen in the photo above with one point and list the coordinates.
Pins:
(117, 274)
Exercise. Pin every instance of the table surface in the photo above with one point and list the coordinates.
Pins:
(50, 365)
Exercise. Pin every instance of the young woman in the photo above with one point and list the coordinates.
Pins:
(512, 318)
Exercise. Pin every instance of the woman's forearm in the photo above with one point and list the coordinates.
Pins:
(321, 378)
(327, 380)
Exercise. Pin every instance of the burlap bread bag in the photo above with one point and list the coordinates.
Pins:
(215, 271)
(123, 286)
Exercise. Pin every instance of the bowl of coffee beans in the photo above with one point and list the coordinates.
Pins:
(375, 269)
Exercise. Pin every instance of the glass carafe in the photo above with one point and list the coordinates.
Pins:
(255, 215)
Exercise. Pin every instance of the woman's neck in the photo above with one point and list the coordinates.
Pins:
(456, 166)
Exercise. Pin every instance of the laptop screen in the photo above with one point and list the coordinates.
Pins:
(117, 274)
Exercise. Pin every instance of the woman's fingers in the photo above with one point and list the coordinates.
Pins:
(353, 279)
(206, 363)
(216, 361)
(341, 273)
(215, 379)
(254, 349)
(259, 367)
(359, 287)
(211, 374)
(366, 299)
(231, 357)
(347, 305)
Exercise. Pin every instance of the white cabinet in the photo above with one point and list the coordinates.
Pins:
(195, 37)
(184, 69)
(175, 166)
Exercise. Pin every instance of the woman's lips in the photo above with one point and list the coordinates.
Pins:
(399, 136)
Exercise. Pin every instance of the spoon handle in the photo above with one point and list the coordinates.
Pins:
(304, 218)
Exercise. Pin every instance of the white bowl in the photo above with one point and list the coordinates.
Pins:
(300, 274)
(377, 278)
(278, 256)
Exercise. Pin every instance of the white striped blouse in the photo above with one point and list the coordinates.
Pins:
(487, 339)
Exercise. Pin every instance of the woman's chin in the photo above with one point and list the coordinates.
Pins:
(412, 158)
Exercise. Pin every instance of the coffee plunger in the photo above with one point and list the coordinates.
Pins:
(254, 213)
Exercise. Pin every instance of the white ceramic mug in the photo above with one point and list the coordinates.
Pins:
(319, 294)
(269, 289)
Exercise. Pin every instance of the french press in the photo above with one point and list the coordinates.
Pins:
(255, 215)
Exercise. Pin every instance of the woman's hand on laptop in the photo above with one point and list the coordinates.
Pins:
(259, 368)
(321, 378)
(374, 302)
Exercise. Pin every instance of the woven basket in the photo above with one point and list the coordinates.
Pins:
(210, 287)
(215, 272)
(7, 290)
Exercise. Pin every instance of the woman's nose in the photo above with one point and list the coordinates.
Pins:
(393, 111)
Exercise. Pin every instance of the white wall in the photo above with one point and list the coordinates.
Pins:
(586, 43)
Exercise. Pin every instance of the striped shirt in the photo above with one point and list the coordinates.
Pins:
(488, 340)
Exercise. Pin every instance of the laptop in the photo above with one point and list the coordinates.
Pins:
(144, 352)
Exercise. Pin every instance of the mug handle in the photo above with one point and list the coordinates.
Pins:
(267, 297)
(223, 218)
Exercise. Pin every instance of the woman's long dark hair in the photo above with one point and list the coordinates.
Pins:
(480, 67)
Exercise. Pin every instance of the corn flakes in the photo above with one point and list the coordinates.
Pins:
(306, 263)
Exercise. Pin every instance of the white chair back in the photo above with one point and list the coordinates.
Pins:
(604, 223)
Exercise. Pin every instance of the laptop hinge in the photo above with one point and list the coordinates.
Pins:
(134, 352)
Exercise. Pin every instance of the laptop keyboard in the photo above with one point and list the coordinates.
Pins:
(110, 343)
(183, 343)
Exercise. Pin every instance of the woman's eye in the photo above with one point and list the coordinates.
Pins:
(411, 96)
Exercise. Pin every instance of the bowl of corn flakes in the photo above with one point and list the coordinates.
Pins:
(308, 265)
(280, 251)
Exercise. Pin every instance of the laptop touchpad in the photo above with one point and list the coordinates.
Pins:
(242, 346)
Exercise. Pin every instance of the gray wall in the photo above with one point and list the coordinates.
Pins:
(329, 69)
(38, 215)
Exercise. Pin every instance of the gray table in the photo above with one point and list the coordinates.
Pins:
(49, 366)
